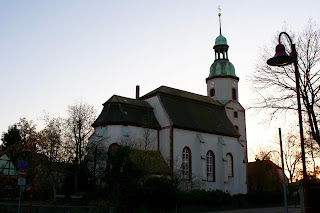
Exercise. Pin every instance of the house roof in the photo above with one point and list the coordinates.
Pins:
(125, 111)
(194, 112)
(150, 161)
(258, 163)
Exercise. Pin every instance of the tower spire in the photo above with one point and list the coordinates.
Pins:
(219, 14)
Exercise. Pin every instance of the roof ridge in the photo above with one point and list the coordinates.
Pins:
(117, 99)
(181, 94)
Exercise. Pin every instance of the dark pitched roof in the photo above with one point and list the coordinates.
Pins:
(194, 112)
(258, 163)
(125, 111)
(150, 161)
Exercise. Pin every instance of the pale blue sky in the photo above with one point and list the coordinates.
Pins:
(53, 53)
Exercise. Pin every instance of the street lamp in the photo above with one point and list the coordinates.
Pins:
(281, 58)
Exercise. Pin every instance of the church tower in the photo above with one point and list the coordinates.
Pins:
(222, 86)
(222, 82)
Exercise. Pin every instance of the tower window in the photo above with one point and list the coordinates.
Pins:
(237, 128)
(212, 92)
(234, 94)
(235, 114)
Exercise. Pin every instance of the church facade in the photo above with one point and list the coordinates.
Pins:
(202, 139)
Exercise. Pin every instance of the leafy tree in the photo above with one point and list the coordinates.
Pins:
(276, 85)
(10, 138)
(122, 177)
(20, 134)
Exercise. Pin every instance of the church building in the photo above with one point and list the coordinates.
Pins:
(201, 138)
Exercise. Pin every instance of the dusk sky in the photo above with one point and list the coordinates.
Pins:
(53, 53)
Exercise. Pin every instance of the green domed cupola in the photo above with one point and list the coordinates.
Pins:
(221, 65)
(221, 40)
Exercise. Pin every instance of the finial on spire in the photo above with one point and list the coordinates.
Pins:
(219, 14)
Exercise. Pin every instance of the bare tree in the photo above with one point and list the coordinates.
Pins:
(97, 159)
(276, 85)
(78, 129)
(313, 153)
(291, 155)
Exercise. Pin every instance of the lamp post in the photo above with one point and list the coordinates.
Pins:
(283, 175)
(281, 58)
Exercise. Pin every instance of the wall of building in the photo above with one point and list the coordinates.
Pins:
(6, 166)
(240, 122)
(138, 138)
(235, 184)
(223, 88)
(164, 144)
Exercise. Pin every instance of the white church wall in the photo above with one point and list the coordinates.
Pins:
(143, 138)
(235, 184)
(138, 138)
(164, 144)
(239, 121)
(231, 108)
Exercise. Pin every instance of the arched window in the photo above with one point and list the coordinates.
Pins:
(210, 166)
(112, 147)
(186, 163)
(212, 92)
(230, 164)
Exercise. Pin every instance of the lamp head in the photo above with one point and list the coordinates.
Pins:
(26, 148)
(281, 58)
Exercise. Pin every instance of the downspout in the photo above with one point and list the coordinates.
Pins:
(158, 132)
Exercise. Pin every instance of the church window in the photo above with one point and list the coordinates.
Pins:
(237, 128)
(230, 164)
(101, 131)
(186, 163)
(125, 131)
(212, 92)
(210, 167)
(112, 147)
(235, 114)
(234, 94)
